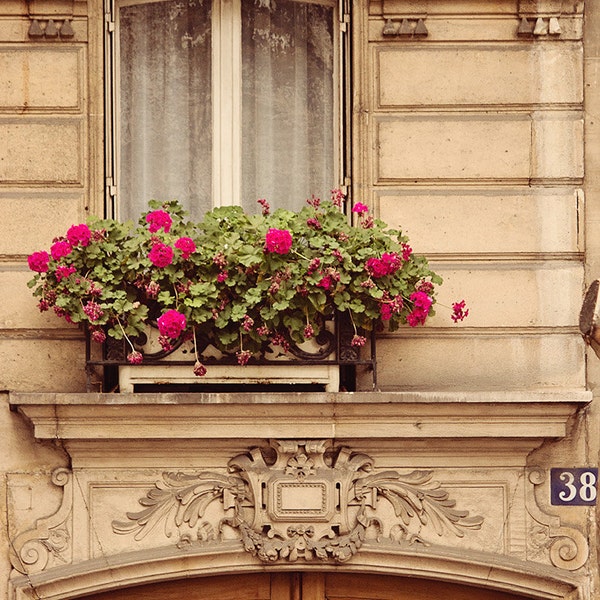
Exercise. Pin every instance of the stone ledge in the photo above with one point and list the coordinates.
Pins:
(507, 416)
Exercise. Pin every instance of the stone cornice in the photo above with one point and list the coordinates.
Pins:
(364, 415)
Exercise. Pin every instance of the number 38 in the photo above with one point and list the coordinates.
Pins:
(584, 487)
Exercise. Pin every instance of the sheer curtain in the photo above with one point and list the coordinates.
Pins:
(165, 113)
(165, 119)
(288, 102)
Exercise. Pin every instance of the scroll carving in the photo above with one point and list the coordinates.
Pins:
(49, 542)
(566, 548)
(300, 499)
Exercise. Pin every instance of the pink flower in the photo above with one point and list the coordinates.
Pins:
(360, 208)
(135, 357)
(386, 312)
(186, 246)
(458, 311)
(38, 261)
(98, 335)
(199, 369)
(222, 276)
(266, 209)
(278, 241)
(358, 340)
(63, 271)
(388, 264)
(406, 252)
(79, 235)
(421, 305)
(326, 282)
(159, 219)
(161, 255)
(171, 324)
(93, 310)
(60, 249)
(309, 331)
(247, 323)
(337, 197)
(243, 356)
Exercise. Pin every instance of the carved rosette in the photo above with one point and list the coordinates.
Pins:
(300, 499)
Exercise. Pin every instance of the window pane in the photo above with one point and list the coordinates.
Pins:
(288, 102)
(165, 105)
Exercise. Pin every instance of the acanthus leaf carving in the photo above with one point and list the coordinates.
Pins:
(307, 501)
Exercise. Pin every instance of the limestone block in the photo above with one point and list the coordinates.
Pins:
(30, 222)
(18, 307)
(452, 146)
(557, 145)
(500, 294)
(41, 151)
(488, 361)
(500, 74)
(42, 364)
(35, 78)
(485, 221)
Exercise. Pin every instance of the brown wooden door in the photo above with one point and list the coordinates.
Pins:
(303, 586)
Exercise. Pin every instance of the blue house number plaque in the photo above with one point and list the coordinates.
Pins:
(574, 487)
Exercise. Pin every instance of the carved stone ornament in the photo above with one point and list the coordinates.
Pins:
(300, 499)
(49, 542)
(566, 547)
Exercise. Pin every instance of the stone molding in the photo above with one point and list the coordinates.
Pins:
(148, 566)
(529, 416)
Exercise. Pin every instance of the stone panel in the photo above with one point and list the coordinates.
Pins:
(493, 361)
(500, 74)
(42, 365)
(453, 147)
(557, 145)
(19, 307)
(504, 294)
(47, 152)
(29, 222)
(40, 78)
(485, 221)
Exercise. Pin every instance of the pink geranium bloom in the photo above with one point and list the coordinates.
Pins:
(161, 255)
(63, 271)
(159, 219)
(60, 249)
(79, 235)
(171, 324)
(186, 246)
(38, 261)
(278, 241)
(360, 208)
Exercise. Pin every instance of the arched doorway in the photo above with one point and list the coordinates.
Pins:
(304, 586)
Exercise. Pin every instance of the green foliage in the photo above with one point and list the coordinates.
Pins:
(233, 285)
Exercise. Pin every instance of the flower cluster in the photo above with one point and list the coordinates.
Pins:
(242, 281)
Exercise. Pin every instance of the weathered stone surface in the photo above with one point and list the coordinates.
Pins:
(466, 220)
(450, 146)
(489, 360)
(499, 74)
(41, 79)
(41, 151)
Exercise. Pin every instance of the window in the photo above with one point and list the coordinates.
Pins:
(222, 102)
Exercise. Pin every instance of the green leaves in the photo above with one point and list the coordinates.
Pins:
(234, 284)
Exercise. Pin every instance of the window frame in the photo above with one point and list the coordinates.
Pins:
(227, 99)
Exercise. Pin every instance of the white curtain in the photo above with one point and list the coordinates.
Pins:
(288, 113)
(165, 112)
(165, 105)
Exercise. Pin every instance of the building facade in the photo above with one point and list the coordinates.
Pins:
(470, 471)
